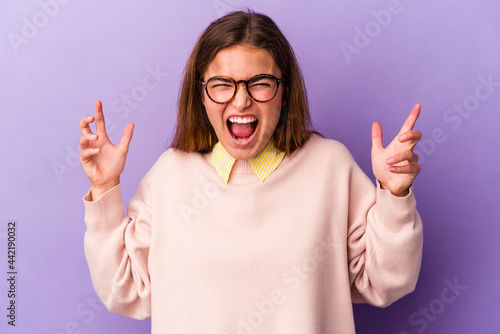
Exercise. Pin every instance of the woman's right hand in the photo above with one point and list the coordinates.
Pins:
(102, 161)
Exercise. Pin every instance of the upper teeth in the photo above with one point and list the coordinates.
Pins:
(242, 120)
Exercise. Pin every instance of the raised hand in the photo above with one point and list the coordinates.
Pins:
(396, 166)
(102, 161)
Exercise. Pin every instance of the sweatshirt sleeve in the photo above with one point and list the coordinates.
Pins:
(117, 251)
(385, 239)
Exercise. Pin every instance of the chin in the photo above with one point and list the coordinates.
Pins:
(246, 153)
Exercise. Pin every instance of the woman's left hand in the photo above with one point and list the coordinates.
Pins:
(396, 166)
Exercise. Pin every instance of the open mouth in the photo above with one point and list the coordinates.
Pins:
(242, 128)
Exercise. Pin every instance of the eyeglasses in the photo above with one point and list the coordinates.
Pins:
(261, 88)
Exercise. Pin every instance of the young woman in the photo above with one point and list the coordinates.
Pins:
(251, 222)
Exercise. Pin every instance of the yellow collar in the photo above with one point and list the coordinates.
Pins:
(263, 164)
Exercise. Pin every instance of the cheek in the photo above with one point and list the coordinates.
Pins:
(277, 112)
(276, 115)
(272, 118)
(214, 113)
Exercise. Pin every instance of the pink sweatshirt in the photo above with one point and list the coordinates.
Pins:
(289, 255)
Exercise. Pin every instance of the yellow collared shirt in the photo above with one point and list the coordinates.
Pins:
(263, 164)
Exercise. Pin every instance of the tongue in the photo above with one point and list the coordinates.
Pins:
(242, 130)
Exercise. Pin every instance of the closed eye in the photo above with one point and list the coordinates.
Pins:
(260, 84)
(220, 85)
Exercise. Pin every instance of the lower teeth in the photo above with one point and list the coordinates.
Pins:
(240, 138)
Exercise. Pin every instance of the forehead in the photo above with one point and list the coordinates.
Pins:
(242, 62)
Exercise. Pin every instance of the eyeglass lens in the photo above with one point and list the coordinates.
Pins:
(260, 88)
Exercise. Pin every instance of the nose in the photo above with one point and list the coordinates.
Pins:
(241, 99)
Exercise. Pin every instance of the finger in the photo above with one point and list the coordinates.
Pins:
(86, 139)
(411, 169)
(376, 136)
(411, 120)
(412, 136)
(84, 124)
(403, 156)
(99, 119)
(126, 137)
(87, 154)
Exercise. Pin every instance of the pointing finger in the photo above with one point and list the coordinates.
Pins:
(99, 119)
(376, 136)
(411, 120)
(127, 136)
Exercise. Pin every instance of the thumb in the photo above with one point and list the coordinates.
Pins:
(126, 137)
(376, 137)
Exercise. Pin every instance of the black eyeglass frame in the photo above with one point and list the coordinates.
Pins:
(237, 84)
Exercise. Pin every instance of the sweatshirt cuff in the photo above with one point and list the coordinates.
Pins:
(379, 187)
(107, 208)
(397, 213)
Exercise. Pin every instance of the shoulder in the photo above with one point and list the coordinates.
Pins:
(173, 155)
(318, 146)
(321, 156)
(174, 160)
(320, 162)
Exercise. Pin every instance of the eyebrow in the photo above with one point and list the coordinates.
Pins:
(221, 79)
(260, 78)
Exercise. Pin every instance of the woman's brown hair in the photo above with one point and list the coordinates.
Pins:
(194, 131)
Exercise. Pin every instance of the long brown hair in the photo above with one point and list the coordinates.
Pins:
(194, 131)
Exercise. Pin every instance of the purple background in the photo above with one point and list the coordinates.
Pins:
(433, 52)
